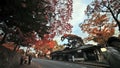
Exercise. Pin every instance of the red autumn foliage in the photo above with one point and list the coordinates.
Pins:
(109, 7)
(98, 28)
(44, 44)
(58, 14)
(62, 13)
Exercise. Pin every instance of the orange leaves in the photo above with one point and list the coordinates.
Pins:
(99, 24)
(95, 31)
(47, 44)
(97, 18)
(102, 18)
(85, 27)
(65, 35)
(107, 8)
(52, 44)
(98, 28)
(49, 36)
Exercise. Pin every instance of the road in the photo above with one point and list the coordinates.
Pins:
(59, 64)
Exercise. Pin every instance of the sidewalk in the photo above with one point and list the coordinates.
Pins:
(95, 64)
(32, 65)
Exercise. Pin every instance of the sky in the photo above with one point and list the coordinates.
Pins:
(78, 17)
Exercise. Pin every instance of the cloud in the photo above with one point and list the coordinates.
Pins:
(78, 16)
(78, 12)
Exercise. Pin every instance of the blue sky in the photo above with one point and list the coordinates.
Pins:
(78, 17)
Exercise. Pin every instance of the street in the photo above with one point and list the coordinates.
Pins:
(60, 64)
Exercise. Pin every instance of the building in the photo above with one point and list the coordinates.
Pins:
(82, 53)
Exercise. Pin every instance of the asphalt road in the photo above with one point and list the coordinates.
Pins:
(59, 64)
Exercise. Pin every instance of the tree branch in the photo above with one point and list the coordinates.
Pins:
(118, 13)
(114, 17)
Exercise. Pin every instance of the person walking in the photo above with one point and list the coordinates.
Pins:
(29, 59)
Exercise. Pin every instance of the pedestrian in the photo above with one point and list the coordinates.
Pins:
(29, 59)
(22, 59)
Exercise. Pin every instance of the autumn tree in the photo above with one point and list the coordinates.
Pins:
(109, 7)
(58, 48)
(40, 16)
(44, 46)
(98, 27)
(30, 39)
(74, 41)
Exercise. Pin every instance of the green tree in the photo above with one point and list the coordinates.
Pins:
(74, 41)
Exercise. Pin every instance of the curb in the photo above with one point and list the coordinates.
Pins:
(94, 64)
